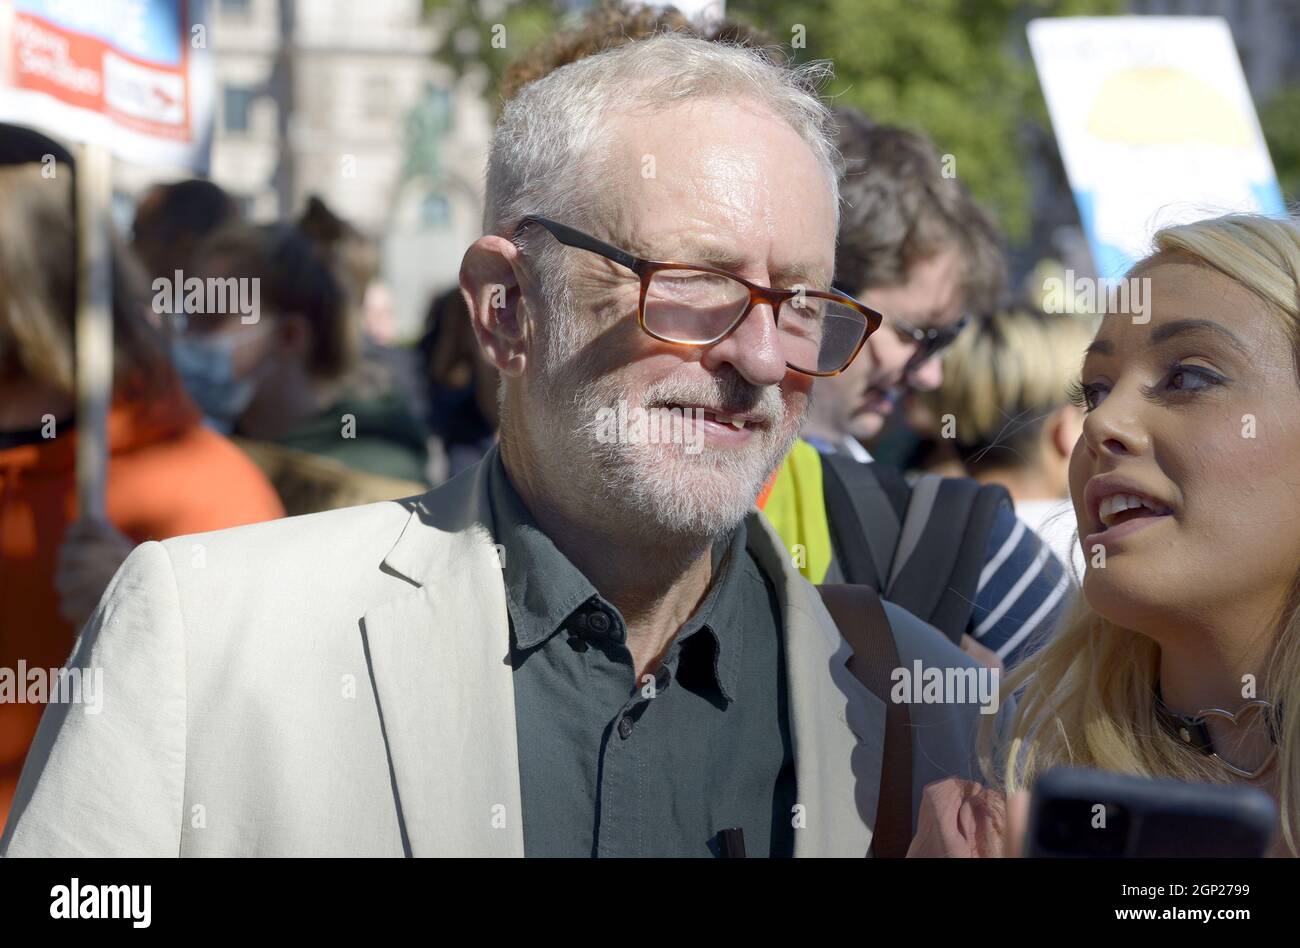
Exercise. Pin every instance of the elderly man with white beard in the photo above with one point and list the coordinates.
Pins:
(581, 646)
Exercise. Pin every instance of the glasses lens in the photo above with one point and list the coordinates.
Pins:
(935, 342)
(690, 306)
(908, 335)
(946, 337)
(819, 335)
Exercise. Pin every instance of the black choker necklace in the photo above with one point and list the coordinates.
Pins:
(1193, 731)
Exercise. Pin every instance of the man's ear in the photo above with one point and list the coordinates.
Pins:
(490, 284)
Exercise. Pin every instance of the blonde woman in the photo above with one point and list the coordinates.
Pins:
(1006, 383)
(1186, 487)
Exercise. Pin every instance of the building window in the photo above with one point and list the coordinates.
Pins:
(377, 96)
(237, 102)
(440, 97)
(435, 211)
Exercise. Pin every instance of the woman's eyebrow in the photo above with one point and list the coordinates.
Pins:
(1169, 330)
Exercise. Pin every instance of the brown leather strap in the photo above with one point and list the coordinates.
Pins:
(862, 621)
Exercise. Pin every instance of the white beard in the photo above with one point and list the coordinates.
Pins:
(703, 493)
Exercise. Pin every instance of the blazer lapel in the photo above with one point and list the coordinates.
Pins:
(440, 656)
(836, 724)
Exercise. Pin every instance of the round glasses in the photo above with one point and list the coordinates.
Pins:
(820, 332)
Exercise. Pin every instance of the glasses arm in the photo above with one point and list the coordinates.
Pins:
(576, 238)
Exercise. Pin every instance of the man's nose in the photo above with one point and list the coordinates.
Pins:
(753, 349)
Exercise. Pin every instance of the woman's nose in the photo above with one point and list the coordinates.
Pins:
(1115, 426)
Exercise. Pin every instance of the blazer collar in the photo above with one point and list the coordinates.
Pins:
(442, 522)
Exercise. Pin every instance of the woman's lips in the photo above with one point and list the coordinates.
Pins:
(1121, 531)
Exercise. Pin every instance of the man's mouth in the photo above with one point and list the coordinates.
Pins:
(882, 400)
(736, 418)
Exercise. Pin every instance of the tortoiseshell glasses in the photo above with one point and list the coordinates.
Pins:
(820, 332)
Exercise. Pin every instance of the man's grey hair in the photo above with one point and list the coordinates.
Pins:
(549, 154)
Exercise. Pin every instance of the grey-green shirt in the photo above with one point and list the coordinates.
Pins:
(610, 766)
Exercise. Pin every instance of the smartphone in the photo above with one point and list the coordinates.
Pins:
(1080, 813)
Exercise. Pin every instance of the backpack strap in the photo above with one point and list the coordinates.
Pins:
(862, 622)
(942, 548)
(865, 512)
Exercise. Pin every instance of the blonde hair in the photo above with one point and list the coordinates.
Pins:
(1004, 376)
(1088, 695)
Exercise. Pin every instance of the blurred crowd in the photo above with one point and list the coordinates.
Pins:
(218, 420)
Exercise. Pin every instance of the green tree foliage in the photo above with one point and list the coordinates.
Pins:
(486, 34)
(1280, 118)
(958, 70)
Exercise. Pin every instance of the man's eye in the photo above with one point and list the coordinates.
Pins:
(806, 307)
(693, 287)
(691, 281)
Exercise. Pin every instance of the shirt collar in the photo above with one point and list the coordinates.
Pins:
(544, 588)
(847, 445)
(721, 615)
(853, 447)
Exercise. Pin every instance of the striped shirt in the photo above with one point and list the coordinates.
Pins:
(1023, 588)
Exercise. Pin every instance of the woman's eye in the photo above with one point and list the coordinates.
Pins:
(1084, 395)
(1181, 378)
(1190, 379)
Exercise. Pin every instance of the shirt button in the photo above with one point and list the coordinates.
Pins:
(598, 622)
(625, 727)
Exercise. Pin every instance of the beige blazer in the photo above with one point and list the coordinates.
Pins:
(339, 684)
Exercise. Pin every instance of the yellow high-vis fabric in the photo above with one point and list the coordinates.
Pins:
(796, 507)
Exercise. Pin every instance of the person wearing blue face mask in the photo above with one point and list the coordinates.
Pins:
(269, 347)
(207, 363)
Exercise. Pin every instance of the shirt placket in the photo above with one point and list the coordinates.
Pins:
(626, 752)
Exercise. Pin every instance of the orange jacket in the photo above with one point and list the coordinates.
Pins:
(168, 475)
